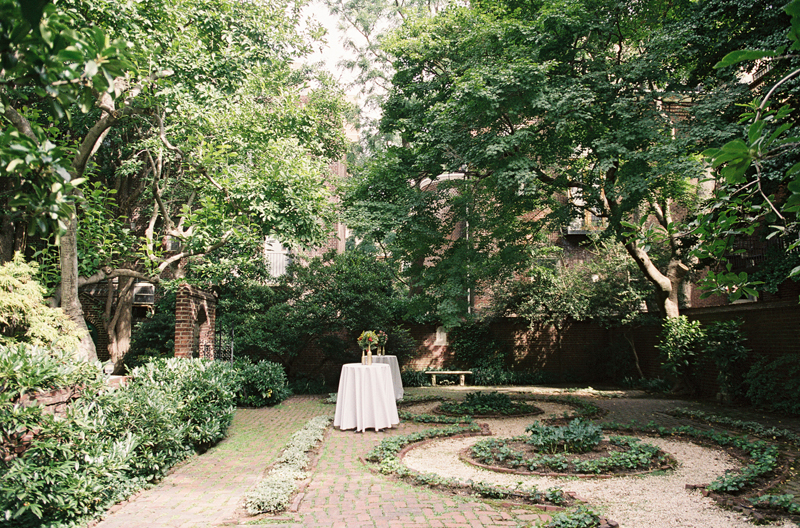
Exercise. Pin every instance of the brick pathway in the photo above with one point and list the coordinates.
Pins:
(208, 490)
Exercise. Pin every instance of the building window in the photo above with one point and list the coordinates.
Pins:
(277, 257)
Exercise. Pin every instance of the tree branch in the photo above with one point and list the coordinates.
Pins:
(108, 273)
(19, 121)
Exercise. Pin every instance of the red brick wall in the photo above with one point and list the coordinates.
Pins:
(772, 329)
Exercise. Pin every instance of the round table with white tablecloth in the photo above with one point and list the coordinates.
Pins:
(366, 398)
(397, 381)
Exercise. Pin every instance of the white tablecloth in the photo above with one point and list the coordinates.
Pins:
(397, 381)
(366, 398)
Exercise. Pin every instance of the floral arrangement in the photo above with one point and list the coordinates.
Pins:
(367, 340)
(383, 338)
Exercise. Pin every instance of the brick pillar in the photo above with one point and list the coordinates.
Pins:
(195, 314)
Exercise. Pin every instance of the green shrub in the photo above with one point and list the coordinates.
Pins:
(260, 384)
(415, 378)
(205, 393)
(24, 315)
(68, 473)
(492, 376)
(401, 344)
(775, 385)
(308, 385)
(678, 344)
(581, 517)
(579, 436)
(151, 415)
(28, 368)
(488, 401)
(109, 443)
(723, 344)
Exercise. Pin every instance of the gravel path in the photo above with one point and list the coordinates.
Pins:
(634, 502)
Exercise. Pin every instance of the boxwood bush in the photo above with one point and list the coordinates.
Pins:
(260, 384)
(111, 443)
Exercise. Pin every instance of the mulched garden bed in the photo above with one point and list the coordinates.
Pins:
(517, 456)
(516, 410)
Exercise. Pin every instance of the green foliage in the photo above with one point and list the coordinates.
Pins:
(302, 384)
(551, 293)
(385, 454)
(781, 502)
(109, 443)
(401, 344)
(54, 67)
(331, 300)
(777, 266)
(260, 384)
(435, 418)
(678, 345)
(155, 336)
(204, 392)
(635, 456)
(764, 457)
(579, 436)
(274, 492)
(757, 167)
(69, 472)
(474, 347)
(415, 378)
(775, 384)
(581, 517)
(469, 82)
(503, 376)
(150, 414)
(723, 343)
(24, 315)
(764, 461)
(755, 428)
(390, 447)
(28, 368)
(487, 403)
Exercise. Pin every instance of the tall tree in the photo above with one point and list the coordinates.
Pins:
(585, 107)
(205, 138)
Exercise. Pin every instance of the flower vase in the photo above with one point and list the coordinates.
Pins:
(369, 356)
(363, 356)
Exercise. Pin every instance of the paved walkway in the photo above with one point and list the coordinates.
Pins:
(208, 490)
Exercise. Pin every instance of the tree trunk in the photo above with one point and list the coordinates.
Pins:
(13, 238)
(119, 327)
(667, 285)
(635, 354)
(70, 302)
(6, 239)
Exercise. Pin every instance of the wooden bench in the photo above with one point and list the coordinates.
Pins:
(460, 373)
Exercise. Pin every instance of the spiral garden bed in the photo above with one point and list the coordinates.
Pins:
(682, 484)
